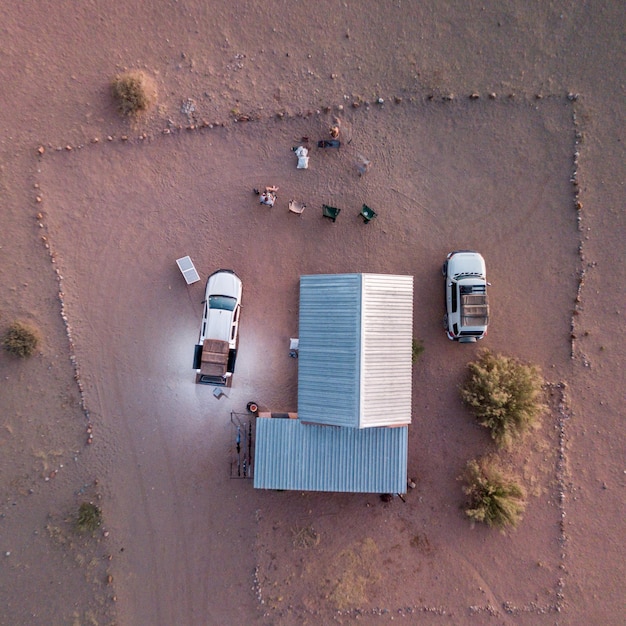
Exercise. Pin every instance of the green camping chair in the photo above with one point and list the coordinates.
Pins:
(367, 214)
(330, 212)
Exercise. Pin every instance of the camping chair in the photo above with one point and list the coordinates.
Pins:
(330, 212)
(331, 143)
(296, 207)
(368, 214)
(294, 345)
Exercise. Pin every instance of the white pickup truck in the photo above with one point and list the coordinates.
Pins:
(467, 306)
(216, 350)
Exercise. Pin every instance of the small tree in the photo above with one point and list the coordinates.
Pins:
(21, 339)
(492, 498)
(134, 91)
(504, 395)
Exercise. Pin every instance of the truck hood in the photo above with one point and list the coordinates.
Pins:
(223, 283)
(466, 263)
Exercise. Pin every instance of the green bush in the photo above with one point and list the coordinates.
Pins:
(89, 517)
(135, 92)
(504, 395)
(21, 339)
(492, 498)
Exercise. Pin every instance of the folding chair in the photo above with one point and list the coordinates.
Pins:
(294, 344)
(330, 212)
(368, 214)
(296, 207)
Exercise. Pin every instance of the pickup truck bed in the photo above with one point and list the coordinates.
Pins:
(214, 359)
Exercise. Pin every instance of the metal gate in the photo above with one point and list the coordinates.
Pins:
(242, 445)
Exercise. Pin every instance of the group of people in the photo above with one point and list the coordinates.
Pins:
(268, 196)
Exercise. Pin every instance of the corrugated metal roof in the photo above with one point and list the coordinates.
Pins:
(386, 338)
(329, 349)
(308, 457)
(355, 349)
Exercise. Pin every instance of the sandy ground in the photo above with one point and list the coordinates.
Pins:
(182, 542)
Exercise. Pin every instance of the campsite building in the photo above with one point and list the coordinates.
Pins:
(354, 390)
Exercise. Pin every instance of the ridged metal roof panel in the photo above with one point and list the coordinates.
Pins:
(290, 454)
(386, 348)
(329, 349)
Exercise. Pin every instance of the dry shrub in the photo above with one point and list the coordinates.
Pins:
(89, 517)
(134, 91)
(504, 395)
(352, 573)
(417, 348)
(21, 339)
(305, 537)
(492, 498)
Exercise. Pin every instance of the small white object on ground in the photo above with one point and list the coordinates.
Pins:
(303, 158)
(363, 165)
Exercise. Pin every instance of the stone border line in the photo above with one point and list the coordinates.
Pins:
(563, 412)
(585, 265)
(68, 328)
(194, 124)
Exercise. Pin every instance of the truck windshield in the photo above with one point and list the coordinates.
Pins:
(467, 275)
(225, 303)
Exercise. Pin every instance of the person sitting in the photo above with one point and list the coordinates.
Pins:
(303, 157)
(268, 197)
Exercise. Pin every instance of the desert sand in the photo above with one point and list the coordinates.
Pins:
(493, 127)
